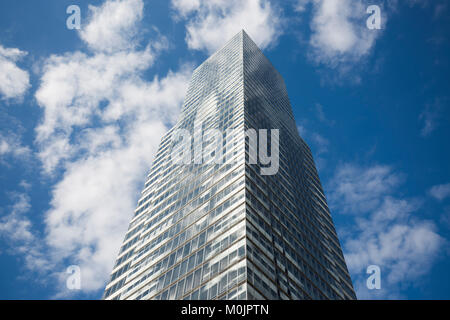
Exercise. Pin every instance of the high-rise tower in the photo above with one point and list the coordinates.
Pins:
(227, 221)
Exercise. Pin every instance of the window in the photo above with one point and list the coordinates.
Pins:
(197, 275)
(180, 289)
(199, 257)
(172, 292)
(214, 269)
(183, 267)
(189, 282)
(194, 295)
(191, 262)
(167, 279)
(175, 272)
(203, 293)
(213, 291)
(223, 284)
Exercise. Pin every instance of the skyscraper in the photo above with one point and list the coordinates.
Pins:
(237, 212)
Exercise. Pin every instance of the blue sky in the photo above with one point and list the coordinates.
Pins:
(82, 112)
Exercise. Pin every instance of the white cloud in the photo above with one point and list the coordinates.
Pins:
(404, 248)
(440, 192)
(211, 23)
(356, 189)
(320, 113)
(301, 130)
(338, 31)
(113, 26)
(92, 204)
(439, 9)
(102, 123)
(16, 228)
(339, 36)
(74, 102)
(404, 251)
(318, 144)
(184, 7)
(429, 123)
(14, 81)
(430, 116)
(322, 116)
(386, 232)
(301, 5)
(321, 143)
(10, 145)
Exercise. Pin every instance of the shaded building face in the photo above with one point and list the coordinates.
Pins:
(232, 207)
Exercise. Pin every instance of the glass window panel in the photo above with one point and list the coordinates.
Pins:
(197, 275)
(180, 289)
(172, 292)
(214, 269)
(213, 291)
(175, 272)
(194, 295)
(223, 284)
(203, 293)
(199, 257)
(191, 262)
(167, 279)
(189, 282)
(183, 267)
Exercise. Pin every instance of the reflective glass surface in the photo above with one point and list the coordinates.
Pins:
(223, 230)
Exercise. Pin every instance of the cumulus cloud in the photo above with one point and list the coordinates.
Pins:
(102, 123)
(339, 38)
(404, 248)
(430, 116)
(14, 81)
(392, 239)
(10, 145)
(405, 252)
(74, 102)
(113, 26)
(386, 231)
(440, 192)
(356, 189)
(92, 204)
(339, 34)
(16, 228)
(211, 23)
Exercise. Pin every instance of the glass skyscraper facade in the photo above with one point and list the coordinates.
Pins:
(221, 229)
